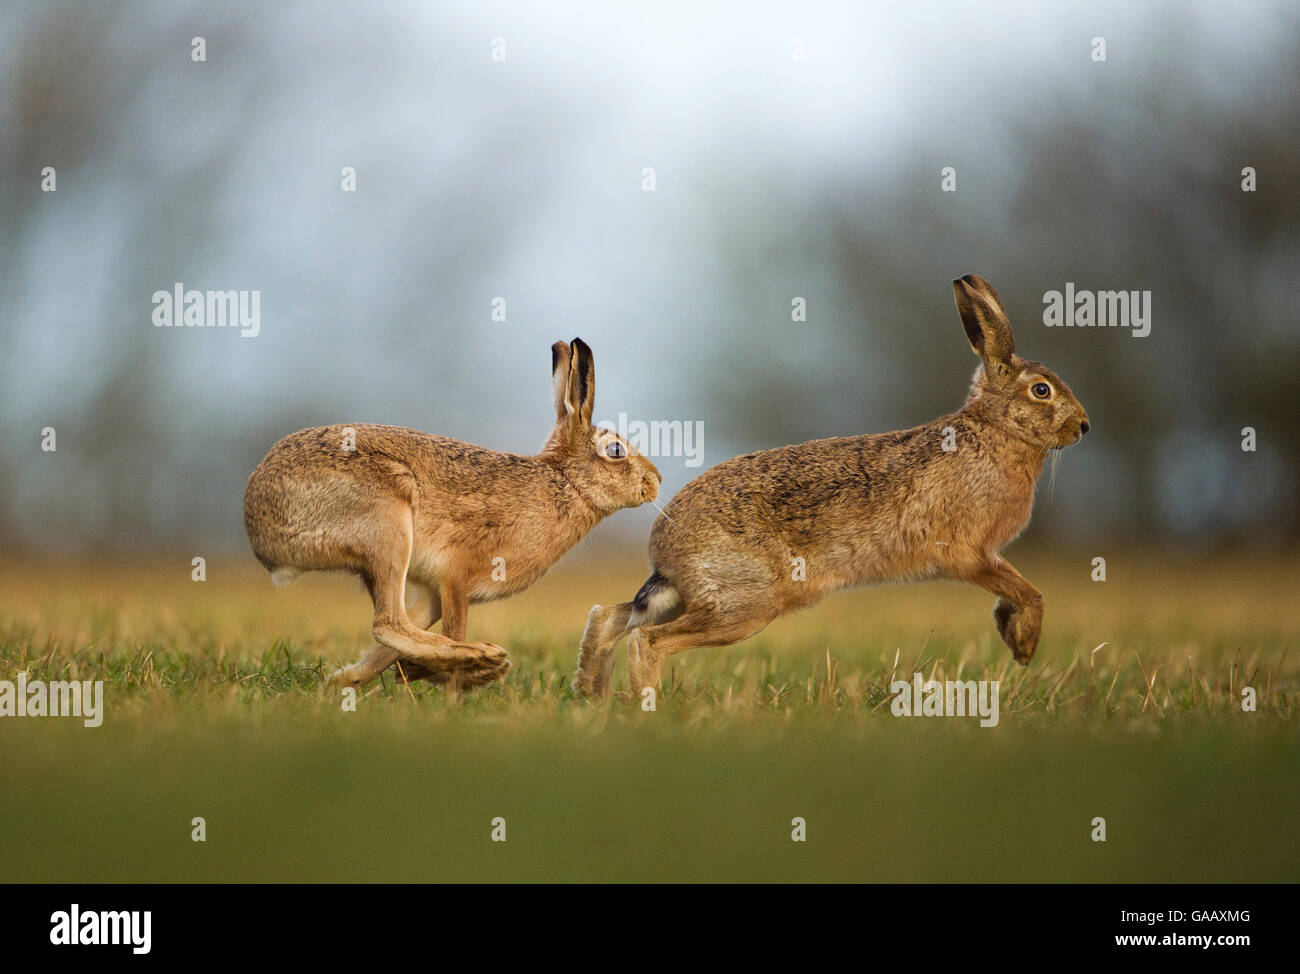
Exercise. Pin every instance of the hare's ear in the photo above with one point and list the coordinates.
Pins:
(986, 324)
(580, 392)
(560, 355)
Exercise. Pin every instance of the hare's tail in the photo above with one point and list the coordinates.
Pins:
(654, 600)
(283, 575)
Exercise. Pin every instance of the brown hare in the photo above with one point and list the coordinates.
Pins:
(766, 533)
(459, 524)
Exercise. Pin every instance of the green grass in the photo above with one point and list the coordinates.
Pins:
(214, 707)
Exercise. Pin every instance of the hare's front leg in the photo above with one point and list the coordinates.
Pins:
(1019, 609)
(454, 597)
(358, 674)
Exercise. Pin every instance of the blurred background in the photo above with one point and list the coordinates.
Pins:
(524, 179)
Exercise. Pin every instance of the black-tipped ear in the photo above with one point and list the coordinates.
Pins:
(581, 395)
(985, 319)
(560, 354)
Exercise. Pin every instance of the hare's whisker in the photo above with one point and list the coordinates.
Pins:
(657, 507)
(674, 523)
(1051, 475)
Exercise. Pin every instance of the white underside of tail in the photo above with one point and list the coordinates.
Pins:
(283, 575)
(660, 604)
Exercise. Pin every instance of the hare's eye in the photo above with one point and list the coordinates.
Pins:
(1042, 390)
(615, 451)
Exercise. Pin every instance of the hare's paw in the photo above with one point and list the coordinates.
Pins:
(1028, 631)
(482, 676)
(485, 655)
(345, 677)
(1022, 655)
(410, 670)
(469, 665)
(1002, 613)
(642, 663)
(472, 676)
(1019, 626)
(591, 678)
(483, 663)
(584, 684)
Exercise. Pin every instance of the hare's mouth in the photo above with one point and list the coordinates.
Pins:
(1071, 434)
(649, 489)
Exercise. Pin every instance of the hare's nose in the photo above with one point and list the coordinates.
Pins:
(1083, 426)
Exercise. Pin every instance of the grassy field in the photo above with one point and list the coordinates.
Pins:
(215, 708)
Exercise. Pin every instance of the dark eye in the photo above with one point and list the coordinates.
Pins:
(1042, 390)
(615, 451)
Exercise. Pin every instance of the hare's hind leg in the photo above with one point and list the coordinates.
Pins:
(469, 664)
(658, 600)
(423, 613)
(648, 647)
(385, 561)
(426, 611)
(453, 608)
(606, 625)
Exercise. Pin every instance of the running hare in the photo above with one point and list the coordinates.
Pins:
(459, 524)
(774, 531)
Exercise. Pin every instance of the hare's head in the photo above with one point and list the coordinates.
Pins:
(1025, 398)
(605, 468)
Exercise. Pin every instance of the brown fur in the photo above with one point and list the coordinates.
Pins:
(857, 510)
(410, 508)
